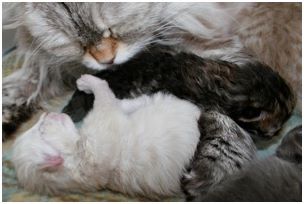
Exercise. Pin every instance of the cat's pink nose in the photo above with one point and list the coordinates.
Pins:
(105, 51)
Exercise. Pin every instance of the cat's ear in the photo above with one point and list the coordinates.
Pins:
(51, 163)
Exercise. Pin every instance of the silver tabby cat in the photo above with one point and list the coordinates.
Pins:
(58, 40)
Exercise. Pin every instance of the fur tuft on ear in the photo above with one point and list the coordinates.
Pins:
(52, 163)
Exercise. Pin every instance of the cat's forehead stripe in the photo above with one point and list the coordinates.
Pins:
(97, 19)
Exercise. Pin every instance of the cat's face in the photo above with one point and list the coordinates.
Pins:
(97, 34)
(43, 156)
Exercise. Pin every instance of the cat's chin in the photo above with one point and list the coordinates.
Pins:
(91, 63)
(94, 65)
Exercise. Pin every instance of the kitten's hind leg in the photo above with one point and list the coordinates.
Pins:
(224, 148)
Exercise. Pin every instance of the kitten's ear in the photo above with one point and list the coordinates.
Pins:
(51, 163)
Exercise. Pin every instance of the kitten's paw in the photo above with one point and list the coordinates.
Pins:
(83, 83)
(89, 83)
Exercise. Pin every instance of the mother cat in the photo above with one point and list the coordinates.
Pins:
(53, 37)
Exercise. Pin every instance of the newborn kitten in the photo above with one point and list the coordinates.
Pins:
(254, 96)
(274, 179)
(136, 146)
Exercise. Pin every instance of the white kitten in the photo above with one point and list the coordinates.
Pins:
(137, 146)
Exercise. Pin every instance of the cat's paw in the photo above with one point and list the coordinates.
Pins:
(89, 83)
(13, 116)
(15, 109)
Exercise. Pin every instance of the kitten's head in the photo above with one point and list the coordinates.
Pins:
(97, 34)
(44, 155)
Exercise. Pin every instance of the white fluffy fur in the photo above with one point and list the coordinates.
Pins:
(137, 146)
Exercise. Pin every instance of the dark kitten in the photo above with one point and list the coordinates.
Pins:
(277, 178)
(253, 95)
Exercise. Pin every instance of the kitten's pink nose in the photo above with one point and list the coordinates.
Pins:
(54, 160)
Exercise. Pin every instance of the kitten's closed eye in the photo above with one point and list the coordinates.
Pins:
(251, 114)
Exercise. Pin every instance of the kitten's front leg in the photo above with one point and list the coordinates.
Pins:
(107, 114)
(104, 97)
(81, 102)
(224, 149)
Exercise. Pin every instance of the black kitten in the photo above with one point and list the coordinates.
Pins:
(277, 178)
(253, 95)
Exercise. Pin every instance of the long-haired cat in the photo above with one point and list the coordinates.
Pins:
(277, 178)
(138, 146)
(54, 39)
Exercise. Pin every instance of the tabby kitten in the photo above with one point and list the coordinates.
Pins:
(277, 178)
(223, 150)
